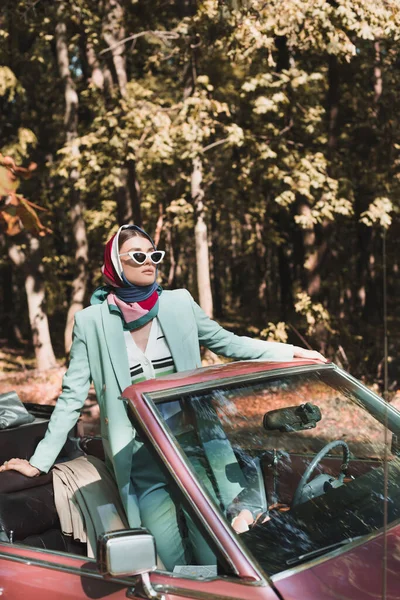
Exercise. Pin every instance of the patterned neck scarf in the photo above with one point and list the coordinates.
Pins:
(136, 304)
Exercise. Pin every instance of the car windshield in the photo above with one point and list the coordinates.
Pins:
(310, 473)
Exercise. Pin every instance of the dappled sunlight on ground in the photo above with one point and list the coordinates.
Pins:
(44, 387)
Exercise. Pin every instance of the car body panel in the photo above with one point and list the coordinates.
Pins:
(342, 574)
(216, 588)
(351, 574)
(363, 570)
(40, 575)
(192, 489)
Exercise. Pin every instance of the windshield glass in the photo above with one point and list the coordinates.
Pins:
(308, 478)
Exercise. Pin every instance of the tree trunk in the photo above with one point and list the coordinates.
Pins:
(113, 34)
(12, 302)
(100, 74)
(11, 306)
(71, 97)
(316, 248)
(159, 224)
(378, 79)
(76, 211)
(285, 261)
(245, 276)
(235, 266)
(79, 283)
(35, 293)
(373, 299)
(128, 192)
(285, 283)
(332, 102)
(367, 286)
(128, 195)
(201, 238)
(7, 302)
(261, 270)
(171, 253)
(218, 291)
(96, 72)
(314, 255)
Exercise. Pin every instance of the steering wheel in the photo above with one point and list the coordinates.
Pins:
(315, 461)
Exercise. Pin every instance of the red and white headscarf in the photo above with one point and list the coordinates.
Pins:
(136, 304)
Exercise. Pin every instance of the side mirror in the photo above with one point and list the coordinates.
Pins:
(126, 552)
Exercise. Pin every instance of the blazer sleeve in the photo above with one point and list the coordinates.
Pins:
(75, 388)
(219, 340)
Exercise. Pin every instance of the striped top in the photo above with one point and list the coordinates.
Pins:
(155, 361)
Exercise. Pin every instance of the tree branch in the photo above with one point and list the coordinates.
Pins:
(215, 144)
(162, 35)
(307, 345)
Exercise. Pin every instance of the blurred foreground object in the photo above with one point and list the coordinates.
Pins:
(16, 212)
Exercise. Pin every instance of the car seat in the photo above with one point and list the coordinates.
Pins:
(27, 510)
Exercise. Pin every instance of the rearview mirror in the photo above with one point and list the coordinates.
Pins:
(292, 418)
(126, 552)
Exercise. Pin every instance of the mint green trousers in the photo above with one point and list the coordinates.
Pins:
(178, 539)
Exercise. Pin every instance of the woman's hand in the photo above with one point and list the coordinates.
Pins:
(21, 465)
(244, 520)
(308, 354)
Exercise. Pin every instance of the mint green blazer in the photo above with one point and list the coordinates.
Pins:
(99, 354)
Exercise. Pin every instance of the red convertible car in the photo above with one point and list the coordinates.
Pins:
(306, 450)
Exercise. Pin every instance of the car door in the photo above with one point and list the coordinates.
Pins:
(34, 573)
(236, 576)
(38, 574)
(346, 556)
(28, 572)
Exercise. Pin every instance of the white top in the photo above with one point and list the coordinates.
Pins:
(155, 361)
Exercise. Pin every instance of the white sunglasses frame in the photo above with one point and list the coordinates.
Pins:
(148, 255)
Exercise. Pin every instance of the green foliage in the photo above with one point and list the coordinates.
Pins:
(9, 85)
(292, 108)
(314, 312)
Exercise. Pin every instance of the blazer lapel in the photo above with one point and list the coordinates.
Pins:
(172, 331)
(116, 346)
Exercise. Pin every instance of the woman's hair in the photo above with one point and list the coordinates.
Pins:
(127, 234)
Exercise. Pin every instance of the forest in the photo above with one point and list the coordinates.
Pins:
(257, 142)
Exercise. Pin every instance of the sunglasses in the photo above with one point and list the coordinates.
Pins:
(140, 257)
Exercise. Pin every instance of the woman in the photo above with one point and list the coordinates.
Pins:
(134, 331)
